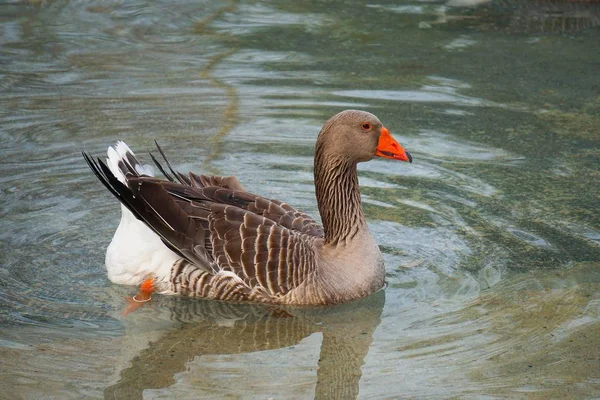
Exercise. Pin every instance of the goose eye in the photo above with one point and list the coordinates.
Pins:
(366, 126)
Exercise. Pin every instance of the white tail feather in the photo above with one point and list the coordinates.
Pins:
(118, 153)
(135, 253)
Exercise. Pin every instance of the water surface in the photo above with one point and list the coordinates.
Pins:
(491, 237)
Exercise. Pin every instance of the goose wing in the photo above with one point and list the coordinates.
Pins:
(267, 244)
(227, 235)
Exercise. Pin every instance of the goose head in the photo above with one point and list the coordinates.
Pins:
(359, 136)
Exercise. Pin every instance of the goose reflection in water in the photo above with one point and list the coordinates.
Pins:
(218, 328)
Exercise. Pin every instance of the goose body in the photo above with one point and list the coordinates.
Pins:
(206, 236)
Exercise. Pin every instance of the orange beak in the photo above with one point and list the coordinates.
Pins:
(389, 148)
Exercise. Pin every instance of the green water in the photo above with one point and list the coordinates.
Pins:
(491, 237)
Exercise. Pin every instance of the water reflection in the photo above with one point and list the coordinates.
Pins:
(528, 337)
(208, 328)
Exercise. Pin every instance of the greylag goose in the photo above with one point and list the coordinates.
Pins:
(206, 236)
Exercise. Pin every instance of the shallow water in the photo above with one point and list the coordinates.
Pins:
(491, 237)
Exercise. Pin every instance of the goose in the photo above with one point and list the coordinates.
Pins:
(208, 237)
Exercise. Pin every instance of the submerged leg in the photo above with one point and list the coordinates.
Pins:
(143, 296)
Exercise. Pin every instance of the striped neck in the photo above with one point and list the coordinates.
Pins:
(338, 196)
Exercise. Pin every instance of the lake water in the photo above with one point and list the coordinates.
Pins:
(491, 237)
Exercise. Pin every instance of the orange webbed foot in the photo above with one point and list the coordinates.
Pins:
(142, 297)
